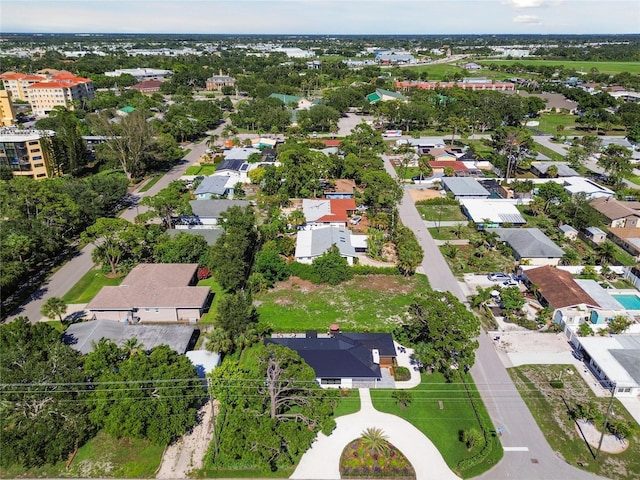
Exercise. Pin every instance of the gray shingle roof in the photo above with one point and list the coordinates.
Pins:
(214, 185)
(529, 242)
(213, 208)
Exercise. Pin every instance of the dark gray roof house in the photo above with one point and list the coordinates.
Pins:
(530, 244)
(343, 358)
(81, 336)
(213, 208)
(236, 166)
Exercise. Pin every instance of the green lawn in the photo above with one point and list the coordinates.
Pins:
(603, 67)
(553, 155)
(365, 303)
(549, 408)
(204, 170)
(88, 286)
(348, 403)
(218, 293)
(549, 123)
(102, 456)
(442, 425)
(152, 182)
(443, 213)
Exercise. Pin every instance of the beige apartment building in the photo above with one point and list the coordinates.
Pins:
(7, 113)
(25, 152)
(45, 92)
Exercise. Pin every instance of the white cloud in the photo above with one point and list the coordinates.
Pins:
(525, 3)
(531, 19)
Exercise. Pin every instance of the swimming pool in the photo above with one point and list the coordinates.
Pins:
(629, 302)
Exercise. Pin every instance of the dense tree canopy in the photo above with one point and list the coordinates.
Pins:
(442, 331)
(42, 419)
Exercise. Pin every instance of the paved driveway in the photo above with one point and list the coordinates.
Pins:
(322, 460)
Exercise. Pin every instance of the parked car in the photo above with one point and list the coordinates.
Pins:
(355, 219)
(498, 277)
(510, 283)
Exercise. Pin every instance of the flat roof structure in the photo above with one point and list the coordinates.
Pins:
(618, 356)
(82, 336)
(492, 211)
(599, 294)
(462, 187)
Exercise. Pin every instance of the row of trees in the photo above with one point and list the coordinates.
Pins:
(54, 399)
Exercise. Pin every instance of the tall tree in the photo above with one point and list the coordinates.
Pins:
(54, 307)
(130, 139)
(107, 234)
(442, 331)
(616, 160)
(170, 201)
(42, 419)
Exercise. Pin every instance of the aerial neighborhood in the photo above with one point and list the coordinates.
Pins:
(317, 257)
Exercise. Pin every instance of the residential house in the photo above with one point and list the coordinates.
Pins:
(210, 235)
(235, 169)
(313, 243)
(147, 87)
(153, 292)
(617, 213)
(558, 289)
(381, 95)
(423, 142)
(575, 185)
(240, 153)
(492, 212)
(341, 188)
(459, 168)
(25, 152)
(463, 187)
(84, 336)
(215, 186)
(628, 238)
(206, 213)
(344, 360)
(540, 169)
(530, 246)
(614, 360)
(568, 232)
(327, 212)
(594, 235)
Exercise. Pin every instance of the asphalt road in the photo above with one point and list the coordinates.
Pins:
(527, 454)
(61, 281)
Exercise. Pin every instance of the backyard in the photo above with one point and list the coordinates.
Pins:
(551, 408)
(368, 303)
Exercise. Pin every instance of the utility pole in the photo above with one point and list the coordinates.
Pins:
(606, 419)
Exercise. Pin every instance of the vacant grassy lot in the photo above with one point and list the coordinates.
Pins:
(549, 123)
(89, 285)
(442, 213)
(203, 170)
(550, 407)
(102, 456)
(440, 410)
(365, 303)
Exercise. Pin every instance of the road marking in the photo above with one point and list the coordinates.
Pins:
(515, 449)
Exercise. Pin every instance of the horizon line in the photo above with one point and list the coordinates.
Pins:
(320, 34)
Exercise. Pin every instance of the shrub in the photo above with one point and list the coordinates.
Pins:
(401, 374)
(556, 384)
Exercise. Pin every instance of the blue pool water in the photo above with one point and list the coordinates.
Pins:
(629, 302)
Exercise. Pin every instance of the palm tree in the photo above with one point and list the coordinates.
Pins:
(606, 253)
(132, 345)
(423, 165)
(457, 230)
(374, 440)
(552, 171)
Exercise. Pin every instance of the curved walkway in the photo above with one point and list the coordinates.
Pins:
(322, 460)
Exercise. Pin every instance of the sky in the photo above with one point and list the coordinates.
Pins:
(322, 16)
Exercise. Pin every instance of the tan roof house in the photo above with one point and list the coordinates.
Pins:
(617, 213)
(627, 238)
(153, 292)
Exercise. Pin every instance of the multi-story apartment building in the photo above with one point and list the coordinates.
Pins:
(25, 152)
(45, 92)
(17, 83)
(7, 114)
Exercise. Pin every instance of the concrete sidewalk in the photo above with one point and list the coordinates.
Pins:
(322, 460)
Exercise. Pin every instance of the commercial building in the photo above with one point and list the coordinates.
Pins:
(140, 73)
(25, 152)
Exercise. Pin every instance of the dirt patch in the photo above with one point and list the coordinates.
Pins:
(188, 452)
(296, 283)
(423, 194)
(610, 443)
